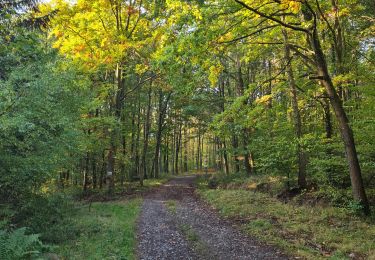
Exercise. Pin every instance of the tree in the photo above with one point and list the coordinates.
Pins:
(318, 60)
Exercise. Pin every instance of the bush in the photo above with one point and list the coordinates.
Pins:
(47, 216)
(213, 182)
(17, 244)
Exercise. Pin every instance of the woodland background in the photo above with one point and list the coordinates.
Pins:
(96, 96)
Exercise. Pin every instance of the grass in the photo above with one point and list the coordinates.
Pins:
(147, 184)
(195, 241)
(107, 231)
(305, 231)
(171, 206)
(189, 233)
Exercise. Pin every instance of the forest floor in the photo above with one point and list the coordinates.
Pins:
(175, 224)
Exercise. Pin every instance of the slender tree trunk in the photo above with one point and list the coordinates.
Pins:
(146, 134)
(103, 171)
(166, 156)
(94, 173)
(301, 156)
(220, 154)
(132, 145)
(110, 169)
(86, 172)
(240, 92)
(123, 168)
(359, 193)
(327, 119)
(177, 149)
(225, 153)
(225, 157)
(199, 150)
(139, 173)
(163, 104)
(246, 154)
(186, 143)
(235, 147)
(116, 110)
(193, 149)
(173, 154)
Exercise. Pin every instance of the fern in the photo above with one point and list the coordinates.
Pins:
(17, 244)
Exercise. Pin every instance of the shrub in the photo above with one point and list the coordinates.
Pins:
(213, 182)
(17, 244)
(48, 216)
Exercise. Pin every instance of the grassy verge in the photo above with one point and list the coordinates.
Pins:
(150, 183)
(107, 231)
(309, 232)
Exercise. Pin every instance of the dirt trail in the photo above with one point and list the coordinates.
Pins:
(174, 224)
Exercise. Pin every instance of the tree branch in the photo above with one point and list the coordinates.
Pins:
(251, 34)
(269, 17)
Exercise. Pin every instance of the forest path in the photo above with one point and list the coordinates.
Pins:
(175, 224)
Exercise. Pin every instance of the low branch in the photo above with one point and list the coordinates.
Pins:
(139, 84)
(269, 17)
(251, 34)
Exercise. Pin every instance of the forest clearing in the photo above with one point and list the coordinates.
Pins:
(187, 129)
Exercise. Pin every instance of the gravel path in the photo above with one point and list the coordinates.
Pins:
(189, 230)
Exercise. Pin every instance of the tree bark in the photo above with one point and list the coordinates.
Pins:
(358, 189)
(146, 134)
(177, 148)
(86, 172)
(301, 156)
(163, 105)
(186, 141)
(110, 169)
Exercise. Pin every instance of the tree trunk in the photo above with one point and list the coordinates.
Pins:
(146, 134)
(103, 171)
(94, 174)
(138, 173)
(110, 169)
(186, 140)
(86, 172)
(327, 119)
(359, 193)
(236, 160)
(163, 105)
(177, 149)
(225, 157)
(199, 150)
(301, 156)
(246, 154)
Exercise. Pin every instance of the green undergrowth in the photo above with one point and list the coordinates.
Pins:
(189, 233)
(306, 231)
(194, 240)
(127, 188)
(149, 183)
(317, 194)
(73, 224)
(171, 206)
(107, 231)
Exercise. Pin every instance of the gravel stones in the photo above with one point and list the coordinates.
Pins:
(160, 235)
